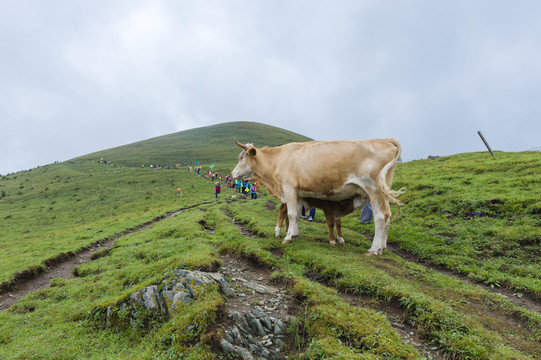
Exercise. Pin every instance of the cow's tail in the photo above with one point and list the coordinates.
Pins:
(381, 181)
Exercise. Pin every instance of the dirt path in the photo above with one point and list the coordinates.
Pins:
(396, 315)
(525, 301)
(63, 268)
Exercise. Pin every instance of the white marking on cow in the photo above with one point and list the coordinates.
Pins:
(380, 224)
(368, 182)
(358, 202)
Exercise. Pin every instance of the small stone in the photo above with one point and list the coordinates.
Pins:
(227, 346)
(279, 327)
(280, 343)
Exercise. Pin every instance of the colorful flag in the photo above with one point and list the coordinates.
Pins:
(211, 166)
(197, 162)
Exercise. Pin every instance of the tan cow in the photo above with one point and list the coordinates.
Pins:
(328, 170)
(179, 191)
(333, 210)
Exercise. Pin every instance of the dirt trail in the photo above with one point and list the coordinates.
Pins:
(396, 316)
(526, 301)
(63, 268)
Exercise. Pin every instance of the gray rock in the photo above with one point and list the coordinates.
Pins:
(227, 346)
(254, 323)
(184, 287)
(265, 320)
(229, 337)
(279, 327)
(262, 289)
(240, 321)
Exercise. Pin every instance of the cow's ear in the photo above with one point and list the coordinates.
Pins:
(252, 151)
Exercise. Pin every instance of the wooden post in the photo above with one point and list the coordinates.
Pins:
(486, 144)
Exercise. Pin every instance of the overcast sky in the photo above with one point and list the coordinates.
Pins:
(82, 76)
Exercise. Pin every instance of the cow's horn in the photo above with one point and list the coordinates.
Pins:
(241, 145)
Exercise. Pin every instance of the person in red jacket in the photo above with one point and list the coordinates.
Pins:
(217, 189)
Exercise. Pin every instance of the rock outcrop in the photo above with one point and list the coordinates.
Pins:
(163, 302)
(251, 334)
(255, 335)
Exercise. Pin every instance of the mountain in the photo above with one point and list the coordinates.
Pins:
(210, 144)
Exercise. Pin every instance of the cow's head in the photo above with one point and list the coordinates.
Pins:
(243, 169)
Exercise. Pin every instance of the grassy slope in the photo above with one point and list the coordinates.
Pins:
(456, 215)
(475, 215)
(462, 320)
(208, 145)
(63, 207)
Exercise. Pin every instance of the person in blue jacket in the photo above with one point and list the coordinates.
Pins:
(366, 213)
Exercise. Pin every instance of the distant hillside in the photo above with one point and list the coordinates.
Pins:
(210, 144)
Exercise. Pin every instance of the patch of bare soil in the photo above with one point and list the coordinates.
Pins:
(63, 266)
(270, 205)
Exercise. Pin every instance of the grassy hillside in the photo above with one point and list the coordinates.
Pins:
(208, 145)
(62, 208)
(469, 213)
(476, 215)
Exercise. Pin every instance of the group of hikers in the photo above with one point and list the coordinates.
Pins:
(242, 187)
(245, 187)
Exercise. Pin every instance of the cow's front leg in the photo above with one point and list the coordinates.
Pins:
(293, 212)
(282, 215)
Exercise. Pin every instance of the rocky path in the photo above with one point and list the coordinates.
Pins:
(258, 313)
(396, 316)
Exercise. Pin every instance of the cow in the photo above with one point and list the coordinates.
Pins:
(179, 191)
(258, 185)
(333, 210)
(328, 170)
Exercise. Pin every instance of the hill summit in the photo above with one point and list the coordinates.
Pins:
(210, 144)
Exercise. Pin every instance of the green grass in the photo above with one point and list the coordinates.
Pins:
(475, 215)
(57, 320)
(464, 321)
(207, 145)
(62, 208)
(469, 213)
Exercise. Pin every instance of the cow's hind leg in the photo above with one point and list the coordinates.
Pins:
(329, 218)
(382, 219)
(338, 223)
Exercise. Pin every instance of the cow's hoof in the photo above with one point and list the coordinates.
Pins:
(341, 241)
(370, 253)
(332, 243)
(287, 241)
